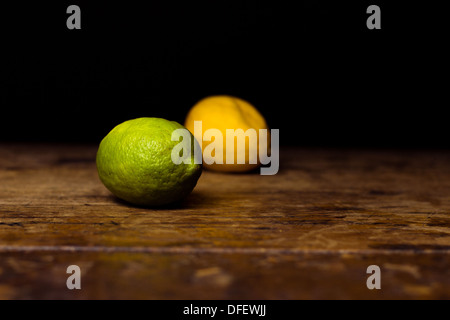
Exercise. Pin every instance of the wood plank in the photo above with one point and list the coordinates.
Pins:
(322, 205)
(51, 195)
(123, 275)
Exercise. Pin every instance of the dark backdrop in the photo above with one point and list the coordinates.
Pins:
(311, 67)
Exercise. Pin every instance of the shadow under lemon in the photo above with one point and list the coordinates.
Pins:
(197, 199)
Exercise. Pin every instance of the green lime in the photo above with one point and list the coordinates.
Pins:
(134, 162)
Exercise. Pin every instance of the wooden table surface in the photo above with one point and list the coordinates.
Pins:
(309, 232)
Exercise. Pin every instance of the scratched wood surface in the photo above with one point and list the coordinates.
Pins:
(309, 232)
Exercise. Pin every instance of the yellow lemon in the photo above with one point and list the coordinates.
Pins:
(225, 113)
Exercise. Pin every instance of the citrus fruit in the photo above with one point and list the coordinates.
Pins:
(228, 112)
(134, 162)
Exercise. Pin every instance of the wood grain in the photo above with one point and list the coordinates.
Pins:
(308, 232)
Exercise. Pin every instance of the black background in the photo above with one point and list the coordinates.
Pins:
(311, 67)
